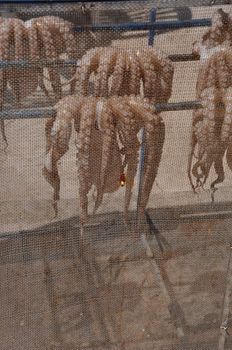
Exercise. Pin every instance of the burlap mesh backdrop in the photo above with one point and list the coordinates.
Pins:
(115, 175)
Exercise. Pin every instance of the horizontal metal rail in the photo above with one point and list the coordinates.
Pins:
(28, 113)
(159, 25)
(177, 106)
(32, 113)
(184, 57)
(37, 64)
(64, 63)
(49, 112)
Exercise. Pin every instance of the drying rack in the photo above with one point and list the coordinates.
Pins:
(152, 26)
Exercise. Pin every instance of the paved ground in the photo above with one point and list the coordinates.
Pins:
(60, 293)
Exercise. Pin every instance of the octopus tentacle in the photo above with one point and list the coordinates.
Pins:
(128, 127)
(229, 154)
(134, 74)
(118, 75)
(149, 75)
(35, 47)
(57, 146)
(51, 54)
(105, 69)
(107, 127)
(88, 64)
(83, 156)
(166, 83)
(164, 75)
(19, 32)
(195, 136)
(5, 29)
(154, 134)
(226, 128)
(58, 133)
(218, 166)
(71, 50)
(34, 52)
(205, 130)
(202, 79)
(154, 140)
(22, 81)
(209, 123)
(64, 41)
(12, 74)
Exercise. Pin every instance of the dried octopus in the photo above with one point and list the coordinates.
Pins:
(212, 124)
(118, 72)
(12, 48)
(49, 38)
(43, 38)
(217, 36)
(107, 146)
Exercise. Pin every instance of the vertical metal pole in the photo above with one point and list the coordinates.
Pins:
(151, 36)
(174, 308)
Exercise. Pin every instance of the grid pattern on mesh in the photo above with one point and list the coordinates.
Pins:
(153, 283)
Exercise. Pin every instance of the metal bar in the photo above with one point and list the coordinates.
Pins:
(174, 308)
(151, 37)
(183, 57)
(161, 25)
(28, 113)
(40, 64)
(177, 106)
(151, 34)
(32, 113)
(46, 63)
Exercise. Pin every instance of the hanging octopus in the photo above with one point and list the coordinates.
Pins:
(107, 146)
(43, 38)
(49, 38)
(211, 126)
(36, 40)
(217, 36)
(119, 72)
(109, 121)
(13, 39)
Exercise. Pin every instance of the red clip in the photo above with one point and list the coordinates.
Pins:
(122, 180)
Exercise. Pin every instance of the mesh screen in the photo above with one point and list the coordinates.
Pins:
(80, 121)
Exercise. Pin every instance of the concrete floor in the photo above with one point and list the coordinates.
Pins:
(58, 292)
